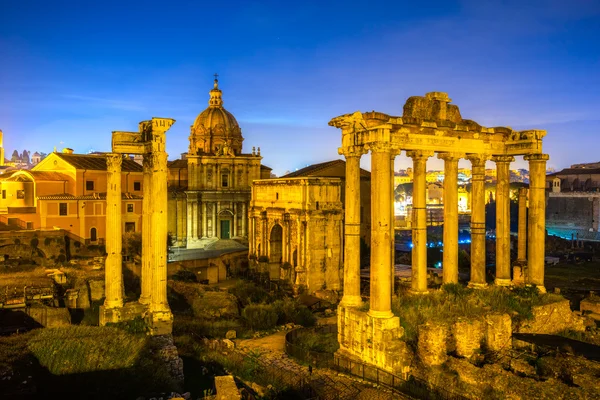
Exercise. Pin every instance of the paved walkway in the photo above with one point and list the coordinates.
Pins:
(330, 384)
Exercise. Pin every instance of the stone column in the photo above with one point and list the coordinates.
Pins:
(450, 256)
(159, 305)
(234, 219)
(419, 221)
(537, 219)
(503, 219)
(244, 217)
(522, 228)
(195, 219)
(393, 155)
(214, 220)
(114, 230)
(204, 221)
(352, 227)
(147, 203)
(477, 220)
(190, 217)
(381, 294)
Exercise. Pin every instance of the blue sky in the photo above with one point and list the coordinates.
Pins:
(72, 72)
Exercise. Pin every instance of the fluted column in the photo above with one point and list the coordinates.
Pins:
(147, 204)
(204, 221)
(537, 219)
(214, 219)
(352, 227)
(522, 228)
(477, 220)
(159, 302)
(503, 219)
(244, 216)
(113, 265)
(234, 219)
(381, 293)
(450, 256)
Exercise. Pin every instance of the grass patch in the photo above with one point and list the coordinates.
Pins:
(315, 341)
(456, 301)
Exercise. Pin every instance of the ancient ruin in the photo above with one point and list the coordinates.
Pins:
(150, 141)
(429, 125)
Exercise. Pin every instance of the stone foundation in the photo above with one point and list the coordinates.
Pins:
(120, 314)
(432, 349)
(468, 335)
(498, 332)
(375, 341)
(552, 318)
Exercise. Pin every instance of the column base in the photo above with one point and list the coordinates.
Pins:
(502, 282)
(160, 322)
(351, 301)
(380, 314)
(476, 285)
(115, 315)
(415, 291)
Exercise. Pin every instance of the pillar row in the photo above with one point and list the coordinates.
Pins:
(113, 266)
(450, 256)
(477, 220)
(503, 219)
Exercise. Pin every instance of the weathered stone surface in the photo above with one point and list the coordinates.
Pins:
(168, 352)
(215, 305)
(468, 335)
(552, 318)
(96, 289)
(522, 367)
(498, 332)
(230, 345)
(327, 295)
(571, 370)
(231, 334)
(226, 388)
(49, 317)
(590, 305)
(432, 343)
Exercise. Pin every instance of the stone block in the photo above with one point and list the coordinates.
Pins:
(231, 334)
(498, 332)
(432, 344)
(468, 334)
(552, 318)
(226, 388)
(591, 305)
(49, 317)
(330, 296)
(230, 345)
(96, 289)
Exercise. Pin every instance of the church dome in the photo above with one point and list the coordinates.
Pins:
(215, 128)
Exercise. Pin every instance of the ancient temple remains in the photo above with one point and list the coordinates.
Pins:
(429, 125)
(150, 141)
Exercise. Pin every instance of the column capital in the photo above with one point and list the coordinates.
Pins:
(113, 162)
(503, 159)
(448, 156)
(536, 157)
(380, 147)
(478, 160)
(352, 151)
(419, 155)
(523, 191)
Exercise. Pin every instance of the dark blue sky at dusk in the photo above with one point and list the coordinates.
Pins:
(72, 72)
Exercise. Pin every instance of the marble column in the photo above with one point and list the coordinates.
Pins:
(537, 219)
(419, 221)
(450, 256)
(351, 295)
(381, 294)
(234, 220)
(159, 305)
(214, 220)
(477, 220)
(113, 265)
(204, 221)
(147, 278)
(522, 228)
(503, 219)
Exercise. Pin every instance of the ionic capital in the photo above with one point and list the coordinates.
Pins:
(536, 157)
(352, 151)
(380, 147)
(448, 156)
(113, 162)
(419, 155)
(503, 159)
(478, 160)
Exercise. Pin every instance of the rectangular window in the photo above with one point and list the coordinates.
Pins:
(129, 207)
(20, 194)
(4, 194)
(62, 208)
(89, 185)
(224, 180)
(129, 226)
(137, 186)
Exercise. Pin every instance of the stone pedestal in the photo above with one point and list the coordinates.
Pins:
(373, 340)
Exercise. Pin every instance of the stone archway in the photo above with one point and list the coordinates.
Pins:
(276, 244)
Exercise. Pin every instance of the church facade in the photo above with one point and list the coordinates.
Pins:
(210, 186)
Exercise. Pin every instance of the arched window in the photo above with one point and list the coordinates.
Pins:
(93, 235)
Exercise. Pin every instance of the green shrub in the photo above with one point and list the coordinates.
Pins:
(260, 316)
(289, 310)
(135, 326)
(248, 292)
(184, 275)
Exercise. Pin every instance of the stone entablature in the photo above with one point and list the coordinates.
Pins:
(297, 224)
(430, 125)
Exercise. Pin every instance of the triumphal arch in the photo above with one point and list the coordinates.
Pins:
(150, 142)
(429, 125)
